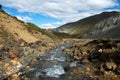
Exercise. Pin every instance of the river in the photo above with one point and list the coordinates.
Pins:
(51, 65)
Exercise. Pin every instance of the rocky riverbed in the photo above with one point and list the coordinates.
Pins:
(17, 55)
(97, 60)
(76, 60)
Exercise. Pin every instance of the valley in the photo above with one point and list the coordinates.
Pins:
(88, 49)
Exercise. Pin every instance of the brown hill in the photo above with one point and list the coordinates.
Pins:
(13, 29)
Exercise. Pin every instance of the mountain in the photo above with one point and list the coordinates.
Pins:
(97, 26)
(21, 43)
(12, 29)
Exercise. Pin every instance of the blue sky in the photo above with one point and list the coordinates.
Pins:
(54, 13)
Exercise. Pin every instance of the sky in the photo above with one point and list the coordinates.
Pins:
(54, 13)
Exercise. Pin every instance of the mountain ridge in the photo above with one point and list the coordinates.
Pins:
(84, 26)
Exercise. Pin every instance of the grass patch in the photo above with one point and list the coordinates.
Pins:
(49, 33)
(31, 26)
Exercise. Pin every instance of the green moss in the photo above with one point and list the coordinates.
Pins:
(31, 26)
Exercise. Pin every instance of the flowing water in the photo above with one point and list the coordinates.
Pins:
(51, 65)
(56, 66)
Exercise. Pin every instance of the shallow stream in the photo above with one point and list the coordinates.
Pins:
(55, 66)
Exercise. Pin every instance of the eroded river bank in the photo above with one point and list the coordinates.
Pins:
(76, 60)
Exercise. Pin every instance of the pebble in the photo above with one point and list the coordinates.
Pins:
(110, 65)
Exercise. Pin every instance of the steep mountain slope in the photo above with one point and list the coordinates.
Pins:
(87, 25)
(109, 28)
(17, 29)
(13, 29)
(21, 43)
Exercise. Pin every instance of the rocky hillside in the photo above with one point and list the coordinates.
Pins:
(12, 28)
(101, 25)
(21, 43)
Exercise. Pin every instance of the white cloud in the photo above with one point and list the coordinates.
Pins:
(47, 26)
(59, 23)
(67, 10)
(24, 18)
(52, 24)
